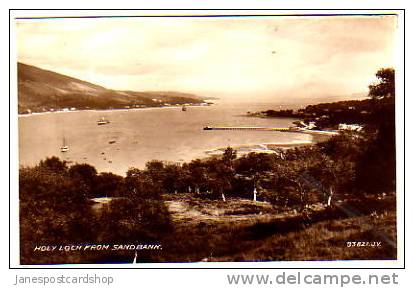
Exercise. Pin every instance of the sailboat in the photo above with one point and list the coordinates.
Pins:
(64, 147)
(103, 121)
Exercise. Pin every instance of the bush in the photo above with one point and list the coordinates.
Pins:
(55, 210)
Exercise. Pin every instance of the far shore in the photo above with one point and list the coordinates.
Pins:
(110, 110)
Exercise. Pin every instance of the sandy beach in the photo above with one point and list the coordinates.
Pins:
(271, 148)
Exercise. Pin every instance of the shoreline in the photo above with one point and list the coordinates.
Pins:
(109, 110)
(270, 148)
(242, 150)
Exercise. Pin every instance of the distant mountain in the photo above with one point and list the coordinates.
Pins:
(43, 90)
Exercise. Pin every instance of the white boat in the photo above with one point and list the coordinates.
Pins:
(103, 121)
(64, 147)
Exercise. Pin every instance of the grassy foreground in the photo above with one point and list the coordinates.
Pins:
(243, 230)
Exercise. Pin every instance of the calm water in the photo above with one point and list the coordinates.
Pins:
(142, 135)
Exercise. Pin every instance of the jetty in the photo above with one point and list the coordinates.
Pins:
(281, 129)
(248, 128)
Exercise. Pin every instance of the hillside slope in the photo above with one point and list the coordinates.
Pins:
(43, 90)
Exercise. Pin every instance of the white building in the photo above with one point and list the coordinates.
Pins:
(311, 125)
(350, 127)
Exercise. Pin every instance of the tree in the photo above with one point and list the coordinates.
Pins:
(385, 87)
(325, 177)
(85, 176)
(52, 210)
(223, 172)
(198, 174)
(133, 220)
(376, 168)
(140, 184)
(54, 164)
(84, 171)
(228, 156)
(108, 184)
(172, 178)
(255, 168)
(289, 189)
(155, 170)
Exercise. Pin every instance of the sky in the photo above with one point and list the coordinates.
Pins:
(264, 59)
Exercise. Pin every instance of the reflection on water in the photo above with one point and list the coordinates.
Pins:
(134, 137)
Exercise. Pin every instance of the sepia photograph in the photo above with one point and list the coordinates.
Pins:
(206, 138)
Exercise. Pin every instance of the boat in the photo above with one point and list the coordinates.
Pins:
(64, 147)
(183, 108)
(103, 121)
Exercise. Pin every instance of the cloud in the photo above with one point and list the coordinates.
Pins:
(235, 57)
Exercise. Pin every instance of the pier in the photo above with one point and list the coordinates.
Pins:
(283, 129)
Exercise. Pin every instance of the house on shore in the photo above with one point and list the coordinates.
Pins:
(350, 127)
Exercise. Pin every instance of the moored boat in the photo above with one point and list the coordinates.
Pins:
(103, 121)
(64, 147)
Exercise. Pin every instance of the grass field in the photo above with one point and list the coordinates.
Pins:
(239, 230)
(243, 230)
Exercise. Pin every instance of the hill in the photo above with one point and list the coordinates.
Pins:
(42, 90)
